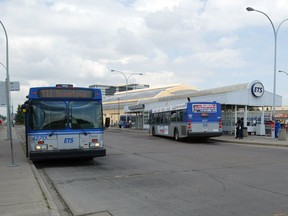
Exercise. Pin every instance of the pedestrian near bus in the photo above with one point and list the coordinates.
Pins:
(120, 123)
(241, 128)
(237, 128)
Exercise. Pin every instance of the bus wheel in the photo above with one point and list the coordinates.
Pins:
(153, 131)
(176, 135)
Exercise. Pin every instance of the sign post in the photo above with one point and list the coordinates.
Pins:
(3, 94)
(9, 129)
(14, 86)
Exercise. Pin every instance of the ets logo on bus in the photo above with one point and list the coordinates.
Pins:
(257, 89)
(68, 140)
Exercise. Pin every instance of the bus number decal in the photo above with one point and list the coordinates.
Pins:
(68, 140)
(39, 138)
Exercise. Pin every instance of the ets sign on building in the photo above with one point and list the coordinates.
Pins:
(257, 89)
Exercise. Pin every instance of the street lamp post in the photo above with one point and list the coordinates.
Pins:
(3, 64)
(118, 112)
(280, 71)
(275, 31)
(8, 96)
(8, 136)
(126, 80)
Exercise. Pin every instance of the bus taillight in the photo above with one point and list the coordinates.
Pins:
(189, 125)
(220, 123)
(204, 114)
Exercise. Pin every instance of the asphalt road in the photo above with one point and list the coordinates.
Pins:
(153, 176)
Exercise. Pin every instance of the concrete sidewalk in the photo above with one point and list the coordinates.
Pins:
(22, 191)
(253, 140)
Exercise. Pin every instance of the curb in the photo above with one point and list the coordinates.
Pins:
(53, 210)
(249, 142)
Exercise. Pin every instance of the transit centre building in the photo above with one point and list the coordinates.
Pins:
(247, 100)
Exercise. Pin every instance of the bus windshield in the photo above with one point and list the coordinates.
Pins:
(48, 115)
(85, 115)
(57, 115)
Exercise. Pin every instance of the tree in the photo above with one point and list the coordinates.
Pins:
(2, 117)
(20, 116)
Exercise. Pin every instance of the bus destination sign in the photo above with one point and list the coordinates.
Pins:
(65, 93)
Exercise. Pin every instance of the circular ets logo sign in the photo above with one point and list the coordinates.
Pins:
(257, 89)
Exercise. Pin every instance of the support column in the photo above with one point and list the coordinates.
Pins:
(245, 116)
(235, 119)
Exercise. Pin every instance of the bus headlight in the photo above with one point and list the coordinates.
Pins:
(41, 147)
(94, 145)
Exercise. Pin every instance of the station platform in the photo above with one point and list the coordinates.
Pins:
(22, 191)
(253, 140)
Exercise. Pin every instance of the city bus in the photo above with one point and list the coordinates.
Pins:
(131, 120)
(192, 119)
(64, 122)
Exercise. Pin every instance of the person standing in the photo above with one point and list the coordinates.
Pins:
(120, 123)
(241, 128)
(237, 128)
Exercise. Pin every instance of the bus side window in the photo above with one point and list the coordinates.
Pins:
(151, 118)
(161, 118)
(166, 117)
(179, 115)
(157, 118)
(173, 116)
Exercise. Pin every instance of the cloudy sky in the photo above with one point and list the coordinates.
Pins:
(202, 43)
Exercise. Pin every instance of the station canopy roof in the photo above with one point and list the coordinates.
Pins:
(149, 93)
(238, 94)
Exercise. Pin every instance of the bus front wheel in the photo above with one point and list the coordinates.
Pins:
(176, 135)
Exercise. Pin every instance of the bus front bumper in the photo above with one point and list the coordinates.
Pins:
(62, 154)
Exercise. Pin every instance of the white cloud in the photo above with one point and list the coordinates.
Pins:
(79, 42)
(227, 41)
(225, 58)
(156, 5)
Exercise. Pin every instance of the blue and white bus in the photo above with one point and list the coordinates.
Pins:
(192, 119)
(64, 122)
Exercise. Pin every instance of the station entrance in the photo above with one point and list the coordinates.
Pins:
(254, 118)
